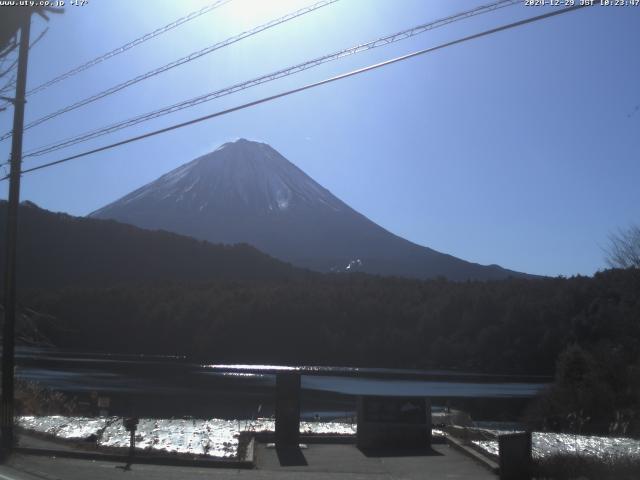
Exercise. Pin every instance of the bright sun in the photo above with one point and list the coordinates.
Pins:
(253, 12)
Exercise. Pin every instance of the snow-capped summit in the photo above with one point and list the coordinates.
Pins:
(246, 192)
(255, 176)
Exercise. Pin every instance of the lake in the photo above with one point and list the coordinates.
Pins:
(174, 386)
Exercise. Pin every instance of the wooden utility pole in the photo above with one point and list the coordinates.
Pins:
(8, 339)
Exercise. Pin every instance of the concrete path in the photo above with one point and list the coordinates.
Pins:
(338, 462)
(346, 461)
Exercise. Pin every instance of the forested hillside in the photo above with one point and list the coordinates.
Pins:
(55, 249)
(504, 326)
(100, 285)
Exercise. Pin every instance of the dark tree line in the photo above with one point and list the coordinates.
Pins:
(518, 326)
(101, 285)
(589, 328)
(56, 249)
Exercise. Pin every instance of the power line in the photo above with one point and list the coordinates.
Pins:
(176, 63)
(308, 86)
(14, 64)
(11, 83)
(10, 47)
(123, 48)
(129, 45)
(386, 40)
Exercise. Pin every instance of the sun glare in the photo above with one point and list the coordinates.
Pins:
(252, 12)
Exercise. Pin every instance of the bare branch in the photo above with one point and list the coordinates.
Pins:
(624, 248)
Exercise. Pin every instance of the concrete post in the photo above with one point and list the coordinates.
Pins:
(515, 456)
(287, 409)
(393, 422)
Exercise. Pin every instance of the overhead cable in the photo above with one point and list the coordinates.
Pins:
(382, 41)
(307, 87)
(175, 63)
(127, 46)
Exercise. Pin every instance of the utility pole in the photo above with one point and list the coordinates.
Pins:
(8, 339)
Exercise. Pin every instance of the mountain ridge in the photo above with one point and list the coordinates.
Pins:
(247, 192)
(59, 250)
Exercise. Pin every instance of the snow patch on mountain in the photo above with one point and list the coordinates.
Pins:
(247, 192)
(253, 172)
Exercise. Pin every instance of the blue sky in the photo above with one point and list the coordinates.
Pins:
(520, 149)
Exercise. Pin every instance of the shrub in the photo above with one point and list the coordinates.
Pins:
(33, 399)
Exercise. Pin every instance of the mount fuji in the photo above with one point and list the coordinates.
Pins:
(246, 192)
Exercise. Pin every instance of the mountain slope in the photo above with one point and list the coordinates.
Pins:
(247, 192)
(55, 249)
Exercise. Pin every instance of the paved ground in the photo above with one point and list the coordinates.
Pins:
(33, 441)
(337, 462)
